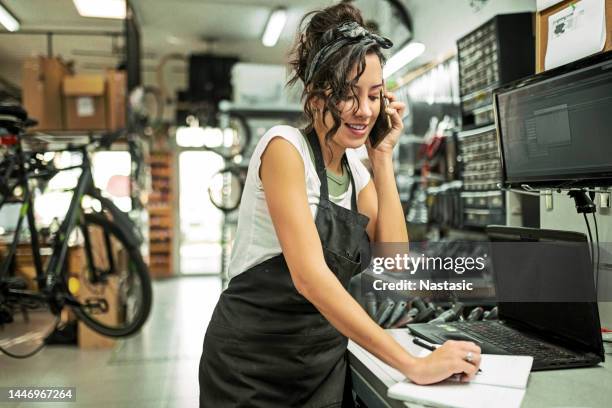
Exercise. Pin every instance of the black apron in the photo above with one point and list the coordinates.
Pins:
(267, 345)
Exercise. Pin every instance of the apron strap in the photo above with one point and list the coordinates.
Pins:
(353, 189)
(319, 164)
(322, 173)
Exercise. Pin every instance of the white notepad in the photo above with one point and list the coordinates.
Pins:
(458, 395)
(503, 371)
(501, 383)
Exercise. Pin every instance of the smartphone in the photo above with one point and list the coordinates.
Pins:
(383, 123)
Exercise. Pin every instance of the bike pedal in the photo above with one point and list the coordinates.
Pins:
(98, 305)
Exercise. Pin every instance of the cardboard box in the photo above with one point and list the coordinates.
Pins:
(541, 23)
(88, 338)
(42, 91)
(85, 102)
(24, 263)
(116, 86)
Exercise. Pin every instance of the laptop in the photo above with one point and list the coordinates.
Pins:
(546, 301)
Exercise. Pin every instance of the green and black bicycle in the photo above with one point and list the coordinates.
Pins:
(114, 278)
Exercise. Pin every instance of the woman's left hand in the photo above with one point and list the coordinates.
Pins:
(395, 109)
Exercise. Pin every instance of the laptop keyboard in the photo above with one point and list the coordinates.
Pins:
(516, 343)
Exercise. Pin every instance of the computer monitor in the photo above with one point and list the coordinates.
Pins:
(555, 128)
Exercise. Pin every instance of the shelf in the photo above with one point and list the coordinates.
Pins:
(160, 209)
(156, 249)
(161, 214)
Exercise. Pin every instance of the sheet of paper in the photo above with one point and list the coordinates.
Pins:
(505, 371)
(460, 395)
(544, 4)
(575, 32)
(85, 106)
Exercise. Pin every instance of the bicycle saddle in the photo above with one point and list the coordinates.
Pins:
(16, 111)
(14, 118)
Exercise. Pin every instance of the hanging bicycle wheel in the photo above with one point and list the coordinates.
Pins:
(225, 188)
(114, 287)
(231, 138)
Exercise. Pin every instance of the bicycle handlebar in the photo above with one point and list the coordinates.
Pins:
(107, 139)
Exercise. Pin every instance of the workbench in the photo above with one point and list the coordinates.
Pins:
(579, 387)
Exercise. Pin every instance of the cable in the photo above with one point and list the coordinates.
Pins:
(535, 193)
(598, 253)
(590, 240)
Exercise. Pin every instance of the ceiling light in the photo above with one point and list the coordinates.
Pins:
(189, 136)
(402, 57)
(274, 27)
(101, 8)
(195, 136)
(7, 19)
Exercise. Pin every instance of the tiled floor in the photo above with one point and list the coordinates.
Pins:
(157, 368)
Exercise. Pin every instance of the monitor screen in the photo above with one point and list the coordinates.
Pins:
(544, 280)
(556, 128)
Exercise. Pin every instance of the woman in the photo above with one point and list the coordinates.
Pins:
(278, 335)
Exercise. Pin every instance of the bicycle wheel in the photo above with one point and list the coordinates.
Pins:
(225, 188)
(115, 296)
(232, 138)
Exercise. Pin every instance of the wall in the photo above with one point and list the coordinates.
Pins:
(11, 71)
(439, 30)
(438, 24)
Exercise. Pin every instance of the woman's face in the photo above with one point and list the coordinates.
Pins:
(356, 124)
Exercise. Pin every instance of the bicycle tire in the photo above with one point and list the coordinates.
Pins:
(245, 128)
(141, 271)
(235, 172)
(242, 129)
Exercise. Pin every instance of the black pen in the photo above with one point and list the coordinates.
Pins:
(421, 343)
(429, 347)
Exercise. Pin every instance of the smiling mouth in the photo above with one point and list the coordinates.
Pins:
(356, 127)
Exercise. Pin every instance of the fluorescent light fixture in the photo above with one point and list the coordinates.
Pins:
(229, 135)
(7, 19)
(402, 57)
(101, 8)
(274, 27)
(188, 136)
(195, 136)
(213, 137)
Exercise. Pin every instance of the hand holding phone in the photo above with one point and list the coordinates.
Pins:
(383, 124)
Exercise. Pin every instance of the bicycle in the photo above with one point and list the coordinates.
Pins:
(226, 187)
(113, 259)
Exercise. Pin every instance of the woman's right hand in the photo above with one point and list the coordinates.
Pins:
(446, 361)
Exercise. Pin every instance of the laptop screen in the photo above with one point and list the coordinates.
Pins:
(544, 280)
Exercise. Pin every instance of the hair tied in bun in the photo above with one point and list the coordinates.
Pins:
(349, 32)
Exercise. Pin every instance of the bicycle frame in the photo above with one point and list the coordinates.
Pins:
(48, 279)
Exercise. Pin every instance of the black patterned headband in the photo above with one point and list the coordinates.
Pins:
(345, 34)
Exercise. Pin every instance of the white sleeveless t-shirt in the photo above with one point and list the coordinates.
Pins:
(256, 239)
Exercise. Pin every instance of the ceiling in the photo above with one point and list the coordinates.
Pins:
(225, 27)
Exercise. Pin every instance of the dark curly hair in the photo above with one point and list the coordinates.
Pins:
(332, 75)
